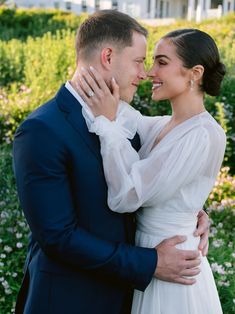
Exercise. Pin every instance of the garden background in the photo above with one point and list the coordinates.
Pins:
(36, 56)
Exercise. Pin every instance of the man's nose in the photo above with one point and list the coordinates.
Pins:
(142, 75)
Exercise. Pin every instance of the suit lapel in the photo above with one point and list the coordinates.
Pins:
(73, 110)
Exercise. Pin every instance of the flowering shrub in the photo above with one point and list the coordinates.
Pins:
(223, 193)
(14, 236)
(32, 71)
(221, 209)
(44, 65)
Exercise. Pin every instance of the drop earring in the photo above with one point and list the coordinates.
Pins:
(191, 85)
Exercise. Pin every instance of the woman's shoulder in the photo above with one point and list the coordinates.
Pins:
(201, 129)
(205, 131)
(203, 123)
(212, 126)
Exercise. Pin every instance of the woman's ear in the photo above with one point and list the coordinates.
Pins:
(106, 57)
(197, 72)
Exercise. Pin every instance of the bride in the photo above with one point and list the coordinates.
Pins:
(173, 173)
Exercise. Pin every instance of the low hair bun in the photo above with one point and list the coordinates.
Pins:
(212, 79)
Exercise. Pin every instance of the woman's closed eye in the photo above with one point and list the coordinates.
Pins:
(162, 62)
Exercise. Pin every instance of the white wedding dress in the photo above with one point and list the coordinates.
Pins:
(170, 183)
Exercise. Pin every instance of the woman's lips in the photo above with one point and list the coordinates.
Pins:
(156, 85)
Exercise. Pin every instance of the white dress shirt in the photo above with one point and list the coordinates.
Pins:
(125, 122)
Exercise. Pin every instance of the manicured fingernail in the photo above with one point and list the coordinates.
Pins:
(113, 79)
(80, 78)
(91, 68)
(83, 69)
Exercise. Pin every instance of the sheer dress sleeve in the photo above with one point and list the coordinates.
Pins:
(133, 182)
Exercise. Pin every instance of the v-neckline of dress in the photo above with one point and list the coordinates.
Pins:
(153, 146)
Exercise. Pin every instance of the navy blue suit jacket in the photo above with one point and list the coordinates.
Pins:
(81, 257)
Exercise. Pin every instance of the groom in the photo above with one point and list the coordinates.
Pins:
(82, 258)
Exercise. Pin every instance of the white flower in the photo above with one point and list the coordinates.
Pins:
(218, 242)
(228, 264)
(223, 283)
(18, 235)
(213, 231)
(4, 214)
(7, 248)
(3, 255)
(220, 208)
(10, 230)
(21, 224)
(217, 268)
(5, 284)
(19, 245)
(224, 203)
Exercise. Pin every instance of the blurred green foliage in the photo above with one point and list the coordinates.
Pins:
(21, 23)
(36, 56)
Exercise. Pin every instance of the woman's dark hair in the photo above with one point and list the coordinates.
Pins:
(195, 47)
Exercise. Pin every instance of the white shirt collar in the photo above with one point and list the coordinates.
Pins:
(86, 111)
(126, 115)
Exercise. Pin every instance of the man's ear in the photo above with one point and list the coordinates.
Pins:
(197, 72)
(106, 57)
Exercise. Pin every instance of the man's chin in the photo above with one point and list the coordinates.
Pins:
(127, 98)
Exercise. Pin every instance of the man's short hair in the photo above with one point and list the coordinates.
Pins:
(106, 26)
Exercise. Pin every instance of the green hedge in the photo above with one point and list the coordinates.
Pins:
(36, 57)
(33, 69)
(22, 23)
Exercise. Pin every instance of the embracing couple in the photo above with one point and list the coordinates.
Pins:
(113, 198)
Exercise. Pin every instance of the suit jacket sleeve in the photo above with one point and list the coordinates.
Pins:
(40, 163)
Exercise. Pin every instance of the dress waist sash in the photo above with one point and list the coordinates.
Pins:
(159, 222)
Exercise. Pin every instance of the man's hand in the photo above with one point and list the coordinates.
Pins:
(176, 265)
(203, 231)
